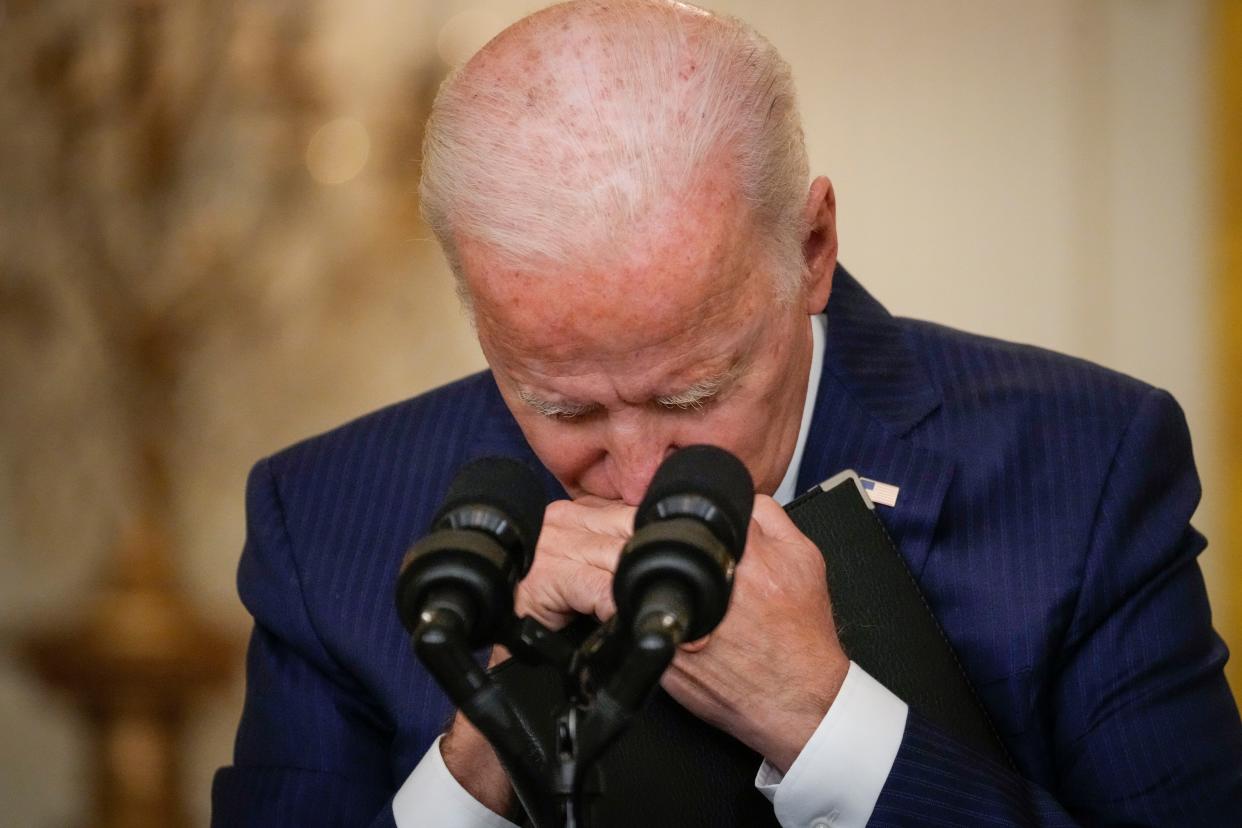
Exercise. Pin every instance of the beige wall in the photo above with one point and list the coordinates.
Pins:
(1034, 171)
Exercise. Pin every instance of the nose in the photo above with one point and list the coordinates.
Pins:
(636, 448)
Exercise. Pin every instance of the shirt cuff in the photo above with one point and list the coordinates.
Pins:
(837, 778)
(433, 796)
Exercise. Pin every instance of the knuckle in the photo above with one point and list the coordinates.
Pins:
(553, 541)
(765, 503)
(537, 569)
(557, 510)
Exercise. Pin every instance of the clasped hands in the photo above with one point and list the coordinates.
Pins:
(766, 675)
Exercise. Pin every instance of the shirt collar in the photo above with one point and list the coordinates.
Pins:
(788, 488)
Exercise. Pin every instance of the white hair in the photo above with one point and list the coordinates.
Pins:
(557, 150)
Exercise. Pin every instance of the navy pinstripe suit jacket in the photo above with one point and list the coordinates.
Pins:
(1044, 509)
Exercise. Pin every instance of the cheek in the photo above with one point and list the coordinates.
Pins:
(569, 451)
(736, 430)
(748, 426)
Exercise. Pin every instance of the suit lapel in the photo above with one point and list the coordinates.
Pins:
(873, 392)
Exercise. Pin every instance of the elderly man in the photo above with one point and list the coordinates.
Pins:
(622, 191)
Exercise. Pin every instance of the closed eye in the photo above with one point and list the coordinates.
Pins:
(574, 414)
(557, 410)
(695, 404)
(696, 396)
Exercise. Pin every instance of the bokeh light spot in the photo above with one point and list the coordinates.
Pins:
(465, 33)
(338, 151)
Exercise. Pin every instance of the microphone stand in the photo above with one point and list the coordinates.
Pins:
(607, 679)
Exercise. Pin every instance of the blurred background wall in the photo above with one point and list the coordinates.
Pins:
(237, 183)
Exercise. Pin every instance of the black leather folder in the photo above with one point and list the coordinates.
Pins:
(670, 769)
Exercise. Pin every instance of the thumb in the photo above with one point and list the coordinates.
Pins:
(697, 644)
(773, 520)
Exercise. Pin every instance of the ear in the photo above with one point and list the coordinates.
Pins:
(819, 245)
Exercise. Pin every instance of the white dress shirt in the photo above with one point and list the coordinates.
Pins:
(833, 783)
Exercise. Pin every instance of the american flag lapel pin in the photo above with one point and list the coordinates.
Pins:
(884, 494)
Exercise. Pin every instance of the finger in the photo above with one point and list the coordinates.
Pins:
(563, 589)
(589, 592)
(596, 501)
(697, 644)
(593, 514)
(589, 548)
(499, 655)
(773, 519)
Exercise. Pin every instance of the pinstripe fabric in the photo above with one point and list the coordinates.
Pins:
(1044, 509)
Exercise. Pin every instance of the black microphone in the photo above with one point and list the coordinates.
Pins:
(675, 574)
(481, 543)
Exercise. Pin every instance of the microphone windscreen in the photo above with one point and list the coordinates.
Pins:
(707, 471)
(505, 484)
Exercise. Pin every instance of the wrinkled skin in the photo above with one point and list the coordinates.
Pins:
(592, 359)
(604, 359)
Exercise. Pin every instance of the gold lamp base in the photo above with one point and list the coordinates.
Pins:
(134, 661)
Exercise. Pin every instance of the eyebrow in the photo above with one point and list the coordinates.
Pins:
(695, 396)
(699, 393)
(549, 408)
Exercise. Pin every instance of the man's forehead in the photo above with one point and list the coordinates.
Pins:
(576, 370)
(645, 277)
(561, 317)
(656, 293)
